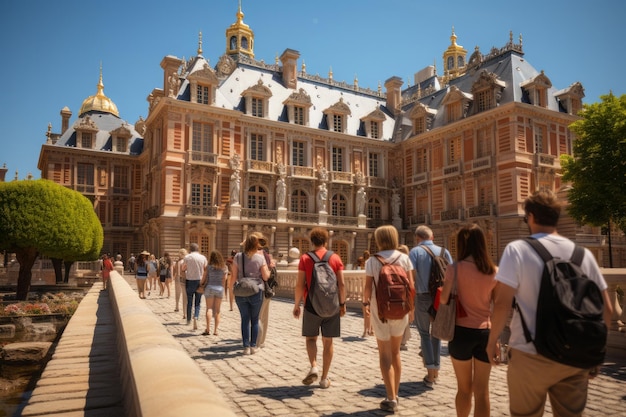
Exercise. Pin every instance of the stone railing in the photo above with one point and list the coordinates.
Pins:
(177, 387)
(353, 280)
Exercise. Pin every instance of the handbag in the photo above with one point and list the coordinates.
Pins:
(270, 284)
(445, 320)
(245, 287)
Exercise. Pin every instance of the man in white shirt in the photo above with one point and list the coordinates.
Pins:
(194, 266)
(531, 376)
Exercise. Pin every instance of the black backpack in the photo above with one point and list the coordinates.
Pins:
(323, 293)
(437, 273)
(569, 327)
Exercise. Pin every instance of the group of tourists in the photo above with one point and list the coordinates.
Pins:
(398, 291)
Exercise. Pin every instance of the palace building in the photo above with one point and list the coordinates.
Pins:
(243, 145)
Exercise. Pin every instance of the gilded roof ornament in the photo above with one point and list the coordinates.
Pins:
(200, 43)
(99, 101)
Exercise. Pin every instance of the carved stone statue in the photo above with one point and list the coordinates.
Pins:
(360, 201)
(235, 184)
(280, 193)
(322, 196)
(395, 205)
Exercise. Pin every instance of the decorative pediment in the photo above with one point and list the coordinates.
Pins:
(421, 110)
(487, 80)
(376, 116)
(121, 132)
(454, 95)
(225, 66)
(258, 90)
(299, 98)
(338, 108)
(575, 90)
(206, 74)
(538, 81)
(86, 124)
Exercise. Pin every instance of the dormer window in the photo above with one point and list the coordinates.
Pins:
(337, 116)
(120, 144)
(421, 116)
(202, 85)
(487, 91)
(456, 103)
(120, 138)
(257, 99)
(298, 105)
(373, 124)
(536, 89)
(86, 130)
(570, 99)
(86, 140)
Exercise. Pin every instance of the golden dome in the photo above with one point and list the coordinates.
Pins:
(99, 102)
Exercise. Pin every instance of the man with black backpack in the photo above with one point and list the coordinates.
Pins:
(423, 258)
(324, 296)
(541, 362)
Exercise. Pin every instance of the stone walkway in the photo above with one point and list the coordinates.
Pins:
(269, 382)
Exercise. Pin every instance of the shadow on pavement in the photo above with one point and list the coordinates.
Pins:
(284, 392)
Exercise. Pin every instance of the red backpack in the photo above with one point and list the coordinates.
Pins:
(394, 294)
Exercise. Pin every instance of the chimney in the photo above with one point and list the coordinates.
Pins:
(394, 94)
(65, 119)
(170, 65)
(3, 172)
(289, 59)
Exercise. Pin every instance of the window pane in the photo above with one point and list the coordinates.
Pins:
(257, 147)
(297, 154)
(337, 159)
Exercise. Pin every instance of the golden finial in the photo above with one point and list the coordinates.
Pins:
(380, 88)
(330, 74)
(303, 67)
(356, 82)
(276, 59)
(100, 83)
(200, 43)
(453, 37)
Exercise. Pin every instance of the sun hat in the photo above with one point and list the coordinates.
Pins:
(145, 253)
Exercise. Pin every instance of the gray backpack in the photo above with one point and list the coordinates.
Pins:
(323, 293)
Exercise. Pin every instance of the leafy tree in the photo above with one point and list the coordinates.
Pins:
(597, 170)
(42, 217)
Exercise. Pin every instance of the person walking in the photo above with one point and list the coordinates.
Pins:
(422, 261)
(264, 315)
(474, 272)
(179, 282)
(131, 263)
(194, 266)
(311, 321)
(531, 376)
(228, 293)
(368, 330)
(249, 266)
(107, 267)
(152, 273)
(141, 276)
(388, 333)
(165, 274)
(213, 284)
(407, 331)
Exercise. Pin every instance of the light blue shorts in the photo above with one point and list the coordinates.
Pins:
(216, 291)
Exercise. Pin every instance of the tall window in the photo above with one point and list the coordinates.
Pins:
(120, 144)
(483, 142)
(419, 125)
(374, 161)
(374, 210)
(257, 198)
(453, 112)
(338, 122)
(257, 106)
(257, 147)
(337, 155)
(340, 247)
(422, 161)
(203, 96)
(85, 140)
(298, 115)
(200, 195)
(454, 150)
(120, 215)
(84, 177)
(299, 202)
(202, 137)
(298, 155)
(121, 179)
(374, 129)
(539, 140)
(454, 197)
(484, 191)
(339, 206)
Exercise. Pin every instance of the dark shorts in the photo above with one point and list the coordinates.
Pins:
(162, 278)
(311, 324)
(468, 344)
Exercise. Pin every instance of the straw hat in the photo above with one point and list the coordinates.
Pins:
(145, 253)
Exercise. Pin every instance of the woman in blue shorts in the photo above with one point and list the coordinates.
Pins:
(213, 283)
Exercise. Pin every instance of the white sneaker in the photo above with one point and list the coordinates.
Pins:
(246, 351)
(325, 383)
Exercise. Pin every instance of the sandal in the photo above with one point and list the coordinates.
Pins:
(206, 333)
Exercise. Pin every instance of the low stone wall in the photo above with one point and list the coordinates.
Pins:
(177, 386)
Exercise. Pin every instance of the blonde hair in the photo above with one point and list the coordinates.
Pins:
(253, 242)
(386, 237)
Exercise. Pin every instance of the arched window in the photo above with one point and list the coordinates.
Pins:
(299, 202)
(450, 62)
(257, 198)
(233, 43)
(460, 62)
(339, 206)
(244, 42)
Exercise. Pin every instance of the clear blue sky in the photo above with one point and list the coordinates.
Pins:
(51, 50)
